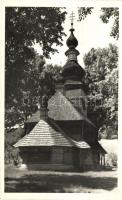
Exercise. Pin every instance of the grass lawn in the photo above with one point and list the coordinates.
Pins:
(17, 180)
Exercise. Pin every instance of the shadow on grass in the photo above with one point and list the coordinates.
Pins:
(57, 183)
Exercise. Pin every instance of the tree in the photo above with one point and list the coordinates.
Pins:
(83, 12)
(107, 13)
(11, 137)
(25, 26)
(37, 82)
(102, 78)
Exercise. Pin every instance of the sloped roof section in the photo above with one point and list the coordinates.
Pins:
(60, 108)
(79, 144)
(43, 135)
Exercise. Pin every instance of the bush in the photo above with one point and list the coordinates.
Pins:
(111, 160)
(11, 137)
(107, 133)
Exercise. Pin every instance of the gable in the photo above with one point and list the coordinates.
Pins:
(60, 108)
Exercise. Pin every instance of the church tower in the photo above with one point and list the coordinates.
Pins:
(73, 74)
(70, 109)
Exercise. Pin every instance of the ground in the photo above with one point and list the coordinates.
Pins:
(17, 180)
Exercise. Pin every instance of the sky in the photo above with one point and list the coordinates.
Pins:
(90, 33)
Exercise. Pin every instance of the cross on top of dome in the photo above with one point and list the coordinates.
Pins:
(72, 41)
(72, 16)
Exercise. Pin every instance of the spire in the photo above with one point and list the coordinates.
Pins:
(72, 70)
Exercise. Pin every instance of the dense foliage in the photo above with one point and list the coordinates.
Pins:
(24, 27)
(11, 137)
(102, 78)
(83, 12)
(36, 83)
(108, 13)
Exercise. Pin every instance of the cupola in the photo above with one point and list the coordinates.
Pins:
(72, 70)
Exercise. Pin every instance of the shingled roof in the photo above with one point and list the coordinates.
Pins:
(61, 109)
(44, 135)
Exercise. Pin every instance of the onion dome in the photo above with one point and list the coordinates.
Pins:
(72, 41)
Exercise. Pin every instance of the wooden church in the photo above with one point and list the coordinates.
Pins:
(60, 136)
